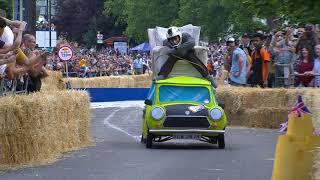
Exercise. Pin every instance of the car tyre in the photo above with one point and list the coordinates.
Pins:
(142, 140)
(213, 140)
(221, 142)
(149, 141)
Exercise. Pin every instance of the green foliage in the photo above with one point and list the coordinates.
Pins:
(139, 15)
(216, 17)
(294, 11)
(89, 37)
(82, 19)
(210, 15)
(7, 6)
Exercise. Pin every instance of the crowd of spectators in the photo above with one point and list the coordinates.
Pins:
(283, 58)
(21, 65)
(216, 58)
(103, 62)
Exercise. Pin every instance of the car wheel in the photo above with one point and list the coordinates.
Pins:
(213, 140)
(221, 142)
(142, 140)
(149, 141)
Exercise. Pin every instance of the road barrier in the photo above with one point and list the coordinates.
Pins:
(295, 150)
(37, 128)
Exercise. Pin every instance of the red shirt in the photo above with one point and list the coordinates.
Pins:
(304, 67)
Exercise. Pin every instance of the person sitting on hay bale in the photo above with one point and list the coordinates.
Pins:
(15, 61)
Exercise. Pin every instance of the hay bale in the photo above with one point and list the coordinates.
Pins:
(37, 128)
(265, 104)
(131, 81)
(258, 118)
(54, 82)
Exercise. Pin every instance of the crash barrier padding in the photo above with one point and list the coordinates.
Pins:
(54, 82)
(250, 107)
(126, 81)
(265, 108)
(295, 150)
(38, 128)
(117, 94)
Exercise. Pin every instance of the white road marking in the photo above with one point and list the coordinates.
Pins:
(107, 122)
(270, 159)
(122, 104)
(215, 169)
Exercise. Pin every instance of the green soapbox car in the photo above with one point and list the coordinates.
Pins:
(183, 108)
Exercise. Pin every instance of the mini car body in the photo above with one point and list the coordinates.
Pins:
(183, 108)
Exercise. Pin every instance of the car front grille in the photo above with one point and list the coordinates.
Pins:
(186, 122)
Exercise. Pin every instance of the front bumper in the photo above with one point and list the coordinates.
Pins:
(196, 131)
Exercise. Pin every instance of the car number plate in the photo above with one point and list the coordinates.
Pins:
(186, 136)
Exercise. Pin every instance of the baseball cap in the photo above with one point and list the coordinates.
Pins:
(231, 40)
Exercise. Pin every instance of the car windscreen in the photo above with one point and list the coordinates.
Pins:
(184, 94)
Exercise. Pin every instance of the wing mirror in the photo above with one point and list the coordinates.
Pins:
(222, 106)
(148, 102)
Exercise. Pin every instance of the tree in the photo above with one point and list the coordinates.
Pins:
(294, 11)
(216, 18)
(81, 19)
(31, 7)
(7, 6)
(139, 15)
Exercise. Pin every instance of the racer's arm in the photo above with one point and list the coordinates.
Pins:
(188, 42)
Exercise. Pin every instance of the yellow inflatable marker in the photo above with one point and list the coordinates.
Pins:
(293, 156)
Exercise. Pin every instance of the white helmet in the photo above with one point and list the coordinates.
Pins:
(231, 39)
(174, 31)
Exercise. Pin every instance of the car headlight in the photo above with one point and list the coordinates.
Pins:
(215, 114)
(157, 113)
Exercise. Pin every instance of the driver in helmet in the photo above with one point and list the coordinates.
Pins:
(182, 48)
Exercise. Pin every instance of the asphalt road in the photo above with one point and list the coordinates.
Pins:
(118, 155)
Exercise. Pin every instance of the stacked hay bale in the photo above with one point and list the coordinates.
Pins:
(265, 108)
(37, 128)
(137, 81)
(54, 82)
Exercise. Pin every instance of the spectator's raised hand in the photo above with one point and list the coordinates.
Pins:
(290, 30)
(23, 25)
(11, 59)
(45, 55)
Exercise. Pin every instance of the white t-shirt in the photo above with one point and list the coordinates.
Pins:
(7, 36)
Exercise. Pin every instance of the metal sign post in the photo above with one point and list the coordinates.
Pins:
(67, 73)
